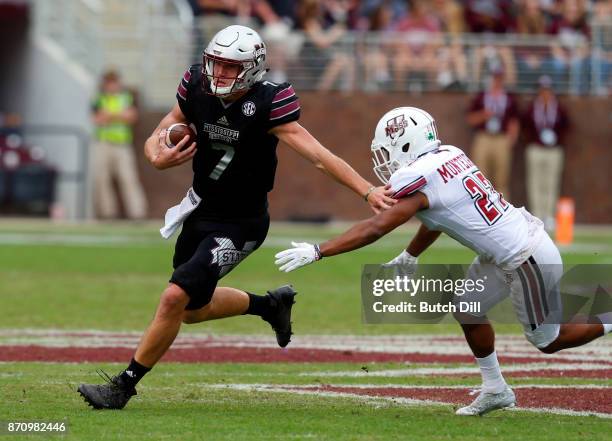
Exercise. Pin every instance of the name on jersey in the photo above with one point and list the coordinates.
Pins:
(455, 166)
(222, 133)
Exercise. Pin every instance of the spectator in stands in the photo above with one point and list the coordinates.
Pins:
(570, 51)
(453, 66)
(398, 9)
(450, 16)
(236, 9)
(545, 122)
(114, 114)
(374, 51)
(602, 10)
(494, 116)
(602, 59)
(284, 9)
(322, 53)
(344, 11)
(493, 56)
(532, 60)
(489, 16)
(417, 47)
(278, 19)
(214, 15)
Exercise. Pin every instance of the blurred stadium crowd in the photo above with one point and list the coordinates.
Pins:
(418, 44)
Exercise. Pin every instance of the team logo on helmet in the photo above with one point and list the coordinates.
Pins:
(396, 126)
(248, 108)
(260, 51)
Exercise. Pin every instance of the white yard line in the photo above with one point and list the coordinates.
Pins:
(391, 386)
(292, 389)
(469, 370)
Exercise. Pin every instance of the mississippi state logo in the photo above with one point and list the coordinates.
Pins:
(396, 126)
(248, 108)
(226, 256)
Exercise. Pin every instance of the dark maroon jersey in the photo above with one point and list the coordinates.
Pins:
(235, 163)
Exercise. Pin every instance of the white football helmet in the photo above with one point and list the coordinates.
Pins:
(235, 45)
(402, 135)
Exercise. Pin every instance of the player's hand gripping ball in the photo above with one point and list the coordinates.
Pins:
(176, 132)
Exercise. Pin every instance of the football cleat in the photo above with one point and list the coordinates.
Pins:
(113, 395)
(487, 402)
(279, 317)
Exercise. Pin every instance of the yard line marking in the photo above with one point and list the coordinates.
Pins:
(377, 400)
(401, 372)
(393, 386)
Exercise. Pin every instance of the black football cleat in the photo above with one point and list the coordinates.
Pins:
(279, 317)
(113, 395)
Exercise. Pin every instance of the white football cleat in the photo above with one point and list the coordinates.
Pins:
(487, 402)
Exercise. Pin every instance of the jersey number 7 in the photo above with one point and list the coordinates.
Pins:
(488, 202)
(224, 161)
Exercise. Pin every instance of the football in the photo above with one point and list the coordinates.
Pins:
(176, 132)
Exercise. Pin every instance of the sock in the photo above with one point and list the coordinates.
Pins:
(134, 373)
(492, 379)
(258, 305)
(606, 320)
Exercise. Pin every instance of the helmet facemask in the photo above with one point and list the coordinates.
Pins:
(384, 166)
(237, 83)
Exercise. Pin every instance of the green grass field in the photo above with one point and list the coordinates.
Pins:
(109, 277)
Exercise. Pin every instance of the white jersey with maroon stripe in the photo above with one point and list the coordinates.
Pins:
(464, 205)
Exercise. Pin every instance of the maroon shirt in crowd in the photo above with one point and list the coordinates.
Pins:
(489, 16)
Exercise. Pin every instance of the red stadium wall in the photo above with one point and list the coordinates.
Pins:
(345, 125)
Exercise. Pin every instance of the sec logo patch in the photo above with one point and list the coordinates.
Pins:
(248, 108)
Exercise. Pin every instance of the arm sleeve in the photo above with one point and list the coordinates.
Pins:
(183, 93)
(285, 106)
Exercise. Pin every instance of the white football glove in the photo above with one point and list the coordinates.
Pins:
(293, 258)
(405, 264)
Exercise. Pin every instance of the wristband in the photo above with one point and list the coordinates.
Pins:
(318, 255)
(370, 190)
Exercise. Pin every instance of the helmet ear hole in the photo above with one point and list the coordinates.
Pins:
(405, 147)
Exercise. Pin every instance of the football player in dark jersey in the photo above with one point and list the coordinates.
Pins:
(239, 119)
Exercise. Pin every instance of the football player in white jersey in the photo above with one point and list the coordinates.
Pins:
(441, 186)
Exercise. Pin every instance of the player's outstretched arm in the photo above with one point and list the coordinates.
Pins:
(156, 150)
(300, 140)
(360, 235)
